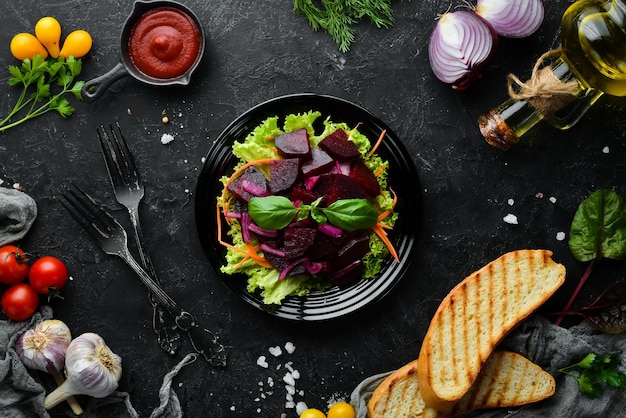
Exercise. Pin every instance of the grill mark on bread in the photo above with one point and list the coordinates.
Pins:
(497, 298)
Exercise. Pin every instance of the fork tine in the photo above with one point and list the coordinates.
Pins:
(110, 157)
(85, 210)
(127, 154)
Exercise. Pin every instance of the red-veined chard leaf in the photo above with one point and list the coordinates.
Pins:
(599, 228)
(608, 311)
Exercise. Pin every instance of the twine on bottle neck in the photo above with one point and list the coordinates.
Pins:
(544, 91)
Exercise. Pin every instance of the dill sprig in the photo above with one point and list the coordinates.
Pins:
(338, 17)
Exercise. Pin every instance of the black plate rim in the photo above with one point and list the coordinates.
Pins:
(335, 302)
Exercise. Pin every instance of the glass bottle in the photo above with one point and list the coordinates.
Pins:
(593, 55)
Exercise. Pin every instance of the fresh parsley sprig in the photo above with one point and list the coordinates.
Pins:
(595, 372)
(38, 77)
(337, 17)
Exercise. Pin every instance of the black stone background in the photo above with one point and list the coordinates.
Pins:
(257, 50)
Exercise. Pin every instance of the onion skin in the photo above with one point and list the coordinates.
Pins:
(512, 18)
(460, 48)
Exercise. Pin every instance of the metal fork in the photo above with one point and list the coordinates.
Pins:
(129, 190)
(112, 238)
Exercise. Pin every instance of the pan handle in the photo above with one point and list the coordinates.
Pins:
(96, 87)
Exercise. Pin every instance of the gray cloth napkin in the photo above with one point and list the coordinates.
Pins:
(551, 347)
(17, 214)
(22, 391)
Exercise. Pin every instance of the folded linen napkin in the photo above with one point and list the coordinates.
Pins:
(22, 391)
(551, 347)
(17, 214)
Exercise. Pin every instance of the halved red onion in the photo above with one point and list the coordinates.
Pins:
(512, 18)
(460, 47)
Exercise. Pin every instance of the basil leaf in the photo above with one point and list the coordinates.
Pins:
(351, 214)
(271, 212)
(599, 227)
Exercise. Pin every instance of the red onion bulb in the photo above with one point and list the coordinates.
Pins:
(460, 47)
(512, 18)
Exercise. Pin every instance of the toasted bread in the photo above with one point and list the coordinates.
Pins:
(474, 317)
(507, 379)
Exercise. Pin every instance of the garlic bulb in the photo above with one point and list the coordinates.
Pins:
(43, 347)
(91, 369)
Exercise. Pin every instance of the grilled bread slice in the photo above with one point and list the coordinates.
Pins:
(474, 317)
(506, 380)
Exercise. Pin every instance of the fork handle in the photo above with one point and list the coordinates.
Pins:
(184, 320)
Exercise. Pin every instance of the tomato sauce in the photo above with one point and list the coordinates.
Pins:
(164, 43)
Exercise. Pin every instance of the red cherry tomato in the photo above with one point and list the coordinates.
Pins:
(20, 302)
(48, 275)
(13, 264)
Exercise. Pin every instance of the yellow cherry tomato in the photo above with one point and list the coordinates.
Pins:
(77, 44)
(25, 45)
(341, 410)
(312, 413)
(48, 31)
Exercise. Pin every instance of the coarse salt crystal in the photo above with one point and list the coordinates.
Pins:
(166, 139)
(275, 351)
(552, 199)
(510, 202)
(510, 219)
(261, 361)
(289, 347)
(288, 378)
(291, 390)
(290, 405)
(605, 150)
(301, 407)
(295, 374)
(560, 236)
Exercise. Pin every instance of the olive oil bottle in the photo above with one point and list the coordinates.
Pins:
(592, 60)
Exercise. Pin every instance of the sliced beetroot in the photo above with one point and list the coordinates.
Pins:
(281, 263)
(284, 174)
(366, 180)
(300, 193)
(294, 144)
(250, 175)
(319, 162)
(353, 250)
(338, 146)
(337, 186)
(347, 274)
(322, 248)
(297, 241)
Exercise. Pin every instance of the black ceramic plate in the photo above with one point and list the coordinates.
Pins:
(403, 179)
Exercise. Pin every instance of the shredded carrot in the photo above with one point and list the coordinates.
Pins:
(383, 236)
(380, 170)
(377, 144)
(389, 211)
(269, 137)
(239, 264)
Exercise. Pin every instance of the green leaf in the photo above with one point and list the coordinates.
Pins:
(74, 65)
(351, 214)
(599, 227)
(588, 387)
(587, 362)
(76, 90)
(272, 212)
(63, 107)
(17, 78)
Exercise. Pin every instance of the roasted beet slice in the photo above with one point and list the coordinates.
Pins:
(297, 241)
(322, 248)
(294, 144)
(339, 146)
(353, 250)
(280, 263)
(320, 162)
(252, 175)
(283, 174)
(366, 180)
(337, 186)
(347, 274)
(300, 193)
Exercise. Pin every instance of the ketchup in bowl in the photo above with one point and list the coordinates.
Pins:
(165, 43)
